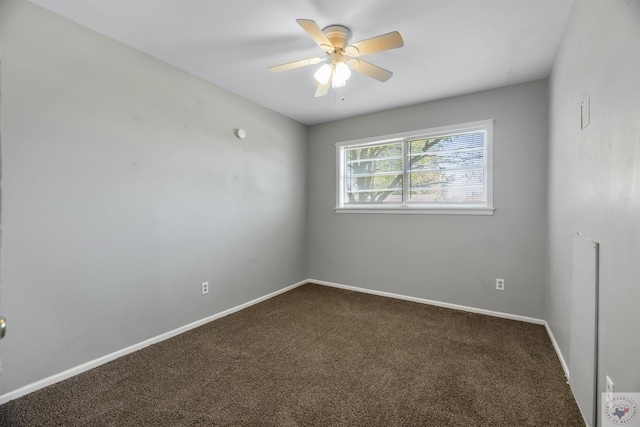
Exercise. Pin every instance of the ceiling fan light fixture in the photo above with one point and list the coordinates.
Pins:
(323, 74)
(341, 74)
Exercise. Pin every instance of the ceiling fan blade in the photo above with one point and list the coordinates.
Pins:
(295, 64)
(323, 89)
(316, 34)
(368, 69)
(381, 43)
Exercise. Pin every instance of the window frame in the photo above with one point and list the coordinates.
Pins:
(414, 208)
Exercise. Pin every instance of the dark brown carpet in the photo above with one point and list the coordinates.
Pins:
(318, 356)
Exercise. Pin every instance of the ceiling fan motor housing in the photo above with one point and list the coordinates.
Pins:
(338, 35)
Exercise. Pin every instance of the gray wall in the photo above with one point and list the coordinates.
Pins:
(123, 188)
(594, 177)
(448, 258)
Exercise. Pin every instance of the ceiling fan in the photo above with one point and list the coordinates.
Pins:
(342, 57)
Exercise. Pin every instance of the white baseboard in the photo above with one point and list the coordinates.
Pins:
(432, 302)
(109, 357)
(565, 368)
(556, 347)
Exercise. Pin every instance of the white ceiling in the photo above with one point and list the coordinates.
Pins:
(452, 47)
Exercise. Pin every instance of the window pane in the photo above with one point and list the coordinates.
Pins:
(374, 151)
(471, 158)
(448, 143)
(390, 196)
(368, 167)
(447, 169)
(460, 186)
(374, 189)
(373, 174)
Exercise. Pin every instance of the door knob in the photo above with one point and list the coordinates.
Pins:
(3, 327)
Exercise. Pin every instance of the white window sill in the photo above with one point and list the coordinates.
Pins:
(420, 211)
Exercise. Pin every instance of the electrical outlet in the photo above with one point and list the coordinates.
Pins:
(609, 389)
(499, 284)
(205, 288)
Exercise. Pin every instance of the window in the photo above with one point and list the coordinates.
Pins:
(442, 170)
